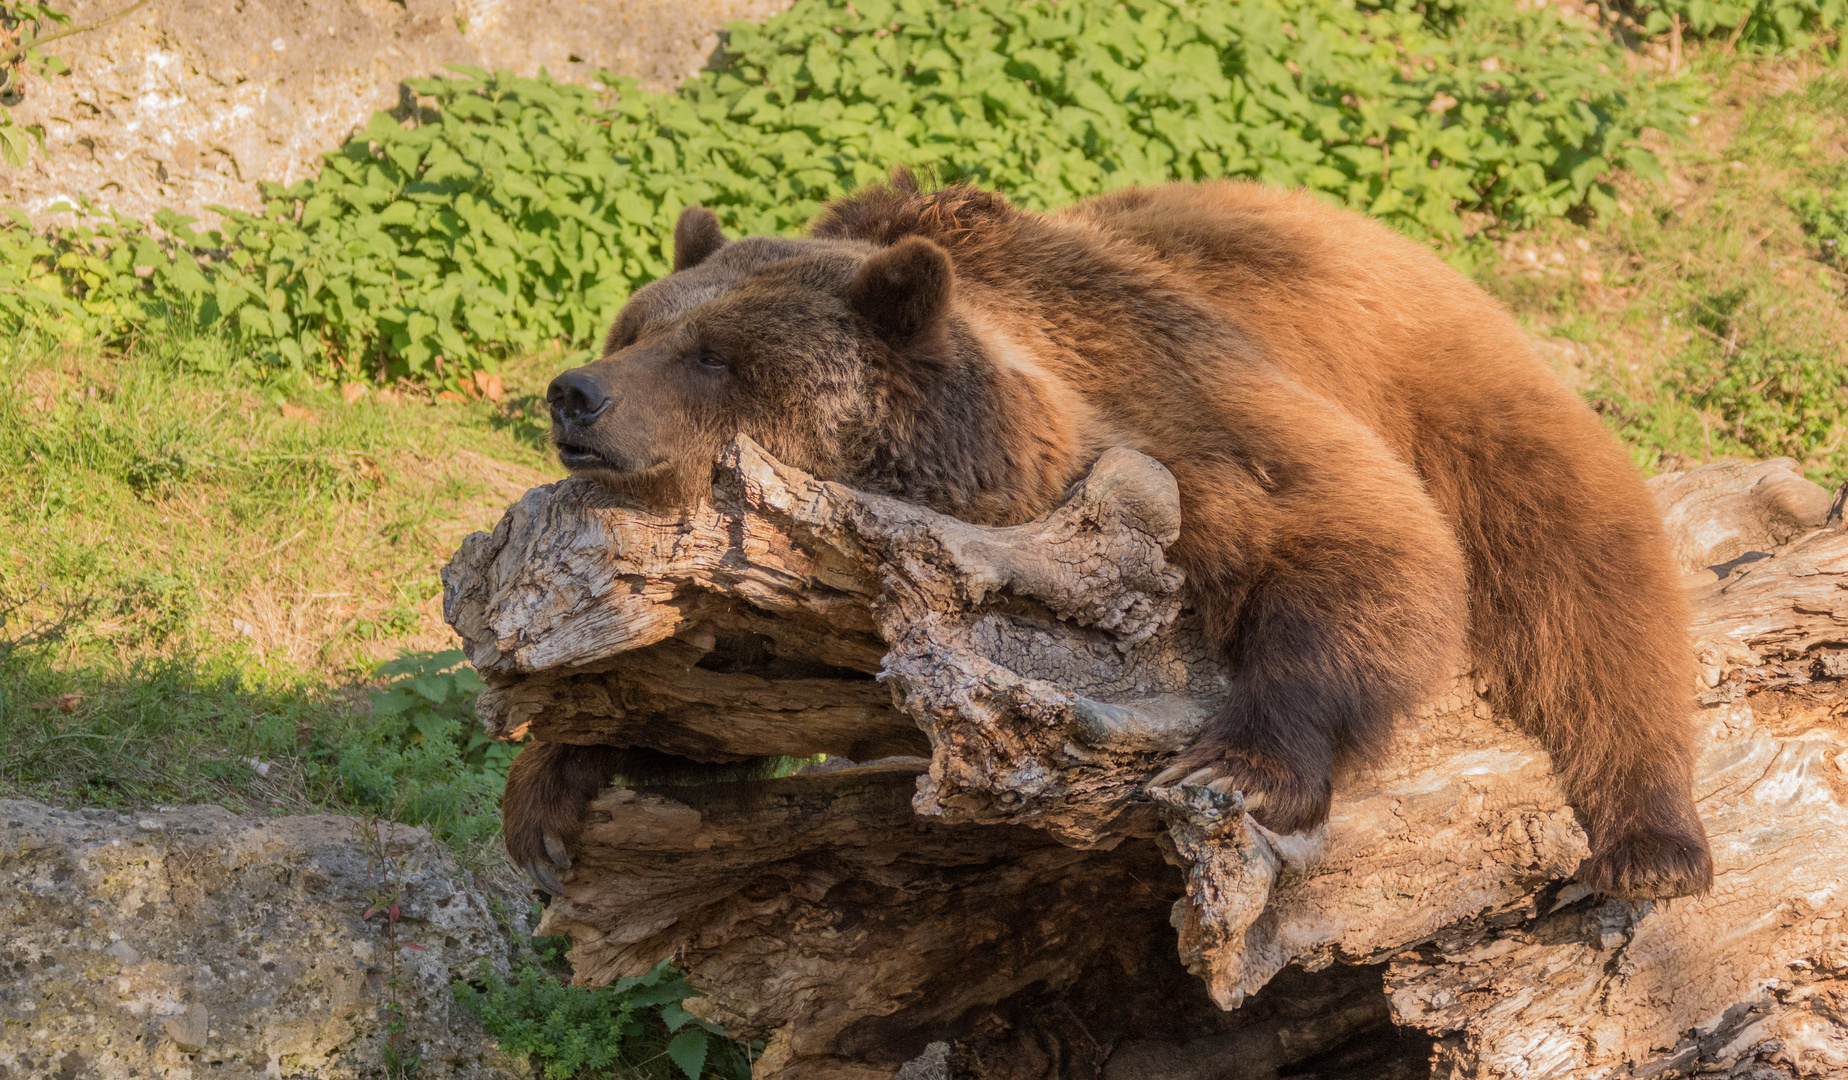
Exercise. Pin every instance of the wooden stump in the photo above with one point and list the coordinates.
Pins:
(978, 859)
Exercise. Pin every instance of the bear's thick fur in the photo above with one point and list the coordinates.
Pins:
(1375, 469)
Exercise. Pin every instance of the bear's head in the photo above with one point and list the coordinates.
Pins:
(840, 357)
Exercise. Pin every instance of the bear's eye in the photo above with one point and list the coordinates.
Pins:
(711, 360)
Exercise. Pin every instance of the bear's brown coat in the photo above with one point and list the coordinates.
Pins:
(1374, 467)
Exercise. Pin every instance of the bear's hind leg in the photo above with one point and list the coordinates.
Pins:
(1658, 858)
(1581, 626)
(1625, 754)
(1603, 681)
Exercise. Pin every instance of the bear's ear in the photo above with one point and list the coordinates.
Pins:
(903, 290)
(696, 237)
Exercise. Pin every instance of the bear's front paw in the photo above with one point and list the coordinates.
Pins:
(1281, 798)
(536, 844)
(1649, 865)
(542, 811)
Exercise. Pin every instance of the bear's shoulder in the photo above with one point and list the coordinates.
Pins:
(887, 213)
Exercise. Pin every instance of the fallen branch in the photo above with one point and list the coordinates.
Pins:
(979, 860)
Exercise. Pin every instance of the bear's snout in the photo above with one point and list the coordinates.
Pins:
(577, 398)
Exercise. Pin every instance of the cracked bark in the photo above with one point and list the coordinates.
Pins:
(978, 859)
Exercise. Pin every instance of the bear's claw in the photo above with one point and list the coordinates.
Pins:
(1168, 776)
(555, 850)
(537, 849)
(544, 861)
(1209, 779)
(544, 877)
(1280, 799)
(542, 810)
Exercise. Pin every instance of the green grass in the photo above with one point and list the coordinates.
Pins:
(158, 730)
(211, 513)
(1706, 318)
(203, 573)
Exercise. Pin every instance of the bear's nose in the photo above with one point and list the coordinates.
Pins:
(577, 397)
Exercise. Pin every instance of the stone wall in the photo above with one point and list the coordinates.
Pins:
(188, 103)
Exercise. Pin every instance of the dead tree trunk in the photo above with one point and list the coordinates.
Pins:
(978, 860)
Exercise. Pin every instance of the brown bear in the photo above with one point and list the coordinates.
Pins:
(1375, 469)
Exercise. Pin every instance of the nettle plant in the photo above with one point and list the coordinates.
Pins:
(512, 214)
(635, 1027)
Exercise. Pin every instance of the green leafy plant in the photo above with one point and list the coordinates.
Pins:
(432, 697)
(424, 759)
(512, 214)
(1762, 25)
(1824, 215)
(634, 1027)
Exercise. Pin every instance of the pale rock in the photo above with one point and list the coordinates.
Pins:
(187, 105)
(196, 943)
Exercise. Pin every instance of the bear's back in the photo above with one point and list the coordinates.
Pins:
(1378, 326)
(1166, 307)
(1357, 312)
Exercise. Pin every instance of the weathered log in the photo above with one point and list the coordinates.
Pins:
(1024, 893)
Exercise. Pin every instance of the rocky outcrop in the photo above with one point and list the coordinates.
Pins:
(190, 104)
(197, 943)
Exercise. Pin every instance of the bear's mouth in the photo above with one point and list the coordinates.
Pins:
(583, 458)
(575, 456)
